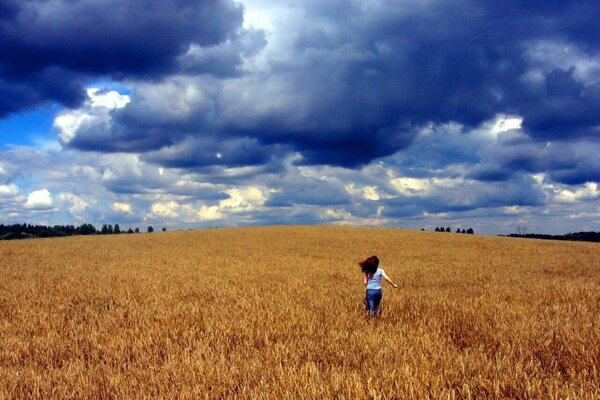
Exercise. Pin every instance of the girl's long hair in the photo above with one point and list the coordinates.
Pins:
(369, 266)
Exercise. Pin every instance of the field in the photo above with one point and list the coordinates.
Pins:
(277, 313)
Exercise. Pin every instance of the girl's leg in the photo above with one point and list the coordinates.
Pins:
(377, 301)
(373, 298)
(370, 302)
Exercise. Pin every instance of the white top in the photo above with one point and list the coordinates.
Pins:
(374, 282)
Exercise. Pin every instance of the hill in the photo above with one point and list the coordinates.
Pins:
(277, 312)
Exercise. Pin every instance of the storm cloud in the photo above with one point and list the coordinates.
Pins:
(318, 111)
(351, 82)
(50, 49)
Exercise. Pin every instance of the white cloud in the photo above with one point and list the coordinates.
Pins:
(122, 207)
(513, 210)
(243, 199)
(585, 215)
(539, 178)
(173, 210)
(587, 192)
(96, 111)
(351, 189)
(9, 190)
(411, 186)
(209, 213)
(167, 209)
(501, 123)
(108, 99)
(435, 215)
(339, 214)
(260, 14)
(39, 199)
(423, 186)
(344, 217)
(370, 193)
(77, 204)
(68, 122)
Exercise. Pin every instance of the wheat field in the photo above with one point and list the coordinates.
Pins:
(277, 312)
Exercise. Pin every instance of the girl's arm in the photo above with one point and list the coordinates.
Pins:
(365, 280)
(387, 278)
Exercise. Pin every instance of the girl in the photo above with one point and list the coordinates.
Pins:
(372, 280)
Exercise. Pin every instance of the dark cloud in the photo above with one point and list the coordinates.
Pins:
(568, 163)
(48, 48)
(225, 59)
(159, 115)
(490, 173)
(196, 152)
(586, 172)
(114, 138)
(533, 157)
(467, 195)
(52, 83)
(353, 83)
(308, 191)
(565, 110)
(352, 109)
(586, 166)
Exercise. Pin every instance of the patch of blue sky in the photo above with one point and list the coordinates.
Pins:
(28, 183)
(110, 85)
(29, 128)
(34, 128)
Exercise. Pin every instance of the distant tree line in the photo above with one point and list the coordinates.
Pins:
(576, 236)
(469, 231)
(27, 231)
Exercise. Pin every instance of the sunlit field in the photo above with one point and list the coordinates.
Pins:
(277, 313)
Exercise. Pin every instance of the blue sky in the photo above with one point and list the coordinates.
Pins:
(225, 113)
(27, 127)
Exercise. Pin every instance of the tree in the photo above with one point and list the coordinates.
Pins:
(137, 230)
(457, 230)
(117, 229)
(104, 229)
(150, 229)
(164, 229)
(86, 229)
(463, 231)
(448, 229)
(522, 230)
(470, 231)
(129, 230)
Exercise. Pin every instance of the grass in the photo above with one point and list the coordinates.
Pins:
(277, 313)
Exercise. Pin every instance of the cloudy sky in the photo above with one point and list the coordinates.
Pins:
(411, 113)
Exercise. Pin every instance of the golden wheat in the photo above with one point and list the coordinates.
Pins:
(277, 313)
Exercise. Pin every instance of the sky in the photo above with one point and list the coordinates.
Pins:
(402, 113)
